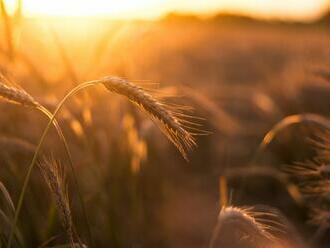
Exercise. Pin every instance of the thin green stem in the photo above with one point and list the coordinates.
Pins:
(38, 148)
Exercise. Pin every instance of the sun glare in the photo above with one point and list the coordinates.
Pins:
(150, 9)
(123, 9)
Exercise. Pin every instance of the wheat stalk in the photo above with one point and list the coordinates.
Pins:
(173, 124)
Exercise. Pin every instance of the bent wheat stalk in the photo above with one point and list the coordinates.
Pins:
(170, 123)
(289, 121)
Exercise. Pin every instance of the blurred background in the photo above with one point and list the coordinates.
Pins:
(242, 65)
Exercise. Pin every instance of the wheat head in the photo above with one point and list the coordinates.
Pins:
(172, 123)
(54, 177)
(254, 227)
(15, 94)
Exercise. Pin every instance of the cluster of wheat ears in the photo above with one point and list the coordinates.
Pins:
(251, 227)
(178, 126)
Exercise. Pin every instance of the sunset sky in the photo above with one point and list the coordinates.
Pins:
(149, 9)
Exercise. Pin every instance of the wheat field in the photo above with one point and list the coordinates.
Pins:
(180, 132)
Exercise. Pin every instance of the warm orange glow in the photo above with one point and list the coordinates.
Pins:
(148, 9)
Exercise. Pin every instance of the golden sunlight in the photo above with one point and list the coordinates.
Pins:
(150, 9)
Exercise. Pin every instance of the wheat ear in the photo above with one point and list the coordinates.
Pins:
(257, 227)
(171, 123)
(54, 176)
(16, 95)
(243, 222)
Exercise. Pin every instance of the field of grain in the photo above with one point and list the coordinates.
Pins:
(255, 97)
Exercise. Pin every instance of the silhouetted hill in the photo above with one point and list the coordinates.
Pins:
(233, 18)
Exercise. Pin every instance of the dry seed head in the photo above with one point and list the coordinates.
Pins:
(172, 123)
(54, 177)
(251, 217)
(15, 94)
(245, 227)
